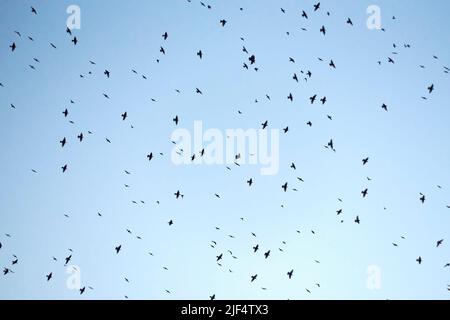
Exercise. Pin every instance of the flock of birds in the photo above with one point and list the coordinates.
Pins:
(250, 63)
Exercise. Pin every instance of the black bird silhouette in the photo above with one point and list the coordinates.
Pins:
(264, 124)
(49, 276)
(438, 243)
(82, 290)
(178, 194)
(165, 35)
(384, 106)
(290, 273)
(419, 260)
(431, 88)
(13, 46)
(223, 22)
(357, 220)
(150, 156)
(349, 21)
(64, 168)
(106, 73)
(422, 198)
(68, 259)
(313, 98)
(250, 182)
(175, 120)
(364, 193)
(124, 116)
(284, 186)
(200, 54)
(255, 248)
(323, 30)
(219, 257)
(33, 10)
(161, 49)
(118, 248)
(80, 136)
(63, 142)
(75, 41)
(364, 161)
(331, 145)
(253, 278)
(332, 64)
(304, 14)
(267, 254)
(290, 97)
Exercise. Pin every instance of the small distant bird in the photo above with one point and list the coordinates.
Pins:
(33, 10)
(290, 273)
(75, 41)
(118, 248)
(165, 35)
(13, 46)
(223, 22)
(419, 260)
(422, 198)
(317, 6)
(364, 193)
(124, 116)
(49, 276)
(253, 278)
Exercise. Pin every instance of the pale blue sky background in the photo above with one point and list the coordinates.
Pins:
(407, 146)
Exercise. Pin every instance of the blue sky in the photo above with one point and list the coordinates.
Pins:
(406, 146)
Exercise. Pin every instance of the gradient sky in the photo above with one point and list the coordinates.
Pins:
(407, 146)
